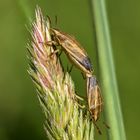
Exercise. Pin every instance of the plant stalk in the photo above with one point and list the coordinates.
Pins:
(107, 71)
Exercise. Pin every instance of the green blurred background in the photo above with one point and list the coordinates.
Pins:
(20, 113)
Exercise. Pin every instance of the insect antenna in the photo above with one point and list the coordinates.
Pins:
(98, 129)
(56, 20)
(106, 125)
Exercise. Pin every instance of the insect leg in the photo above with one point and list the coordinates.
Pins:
(79, 98)
(93, 106)
(51, 43)
(84, 77)
(60, 53)
(54, 44)
(81, 106)
(69, 69)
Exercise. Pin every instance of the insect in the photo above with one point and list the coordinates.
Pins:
(76, 54)
(94, 99)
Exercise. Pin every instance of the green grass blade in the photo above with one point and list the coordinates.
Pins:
(25, 8)
(107, 70)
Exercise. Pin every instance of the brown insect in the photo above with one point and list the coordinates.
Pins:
(75, 53)
(94, 99)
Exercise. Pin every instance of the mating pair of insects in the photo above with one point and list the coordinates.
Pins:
(78, 56)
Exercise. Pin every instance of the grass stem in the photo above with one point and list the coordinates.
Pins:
(107, 71)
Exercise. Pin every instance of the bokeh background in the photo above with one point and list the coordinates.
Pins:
(20, 113)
